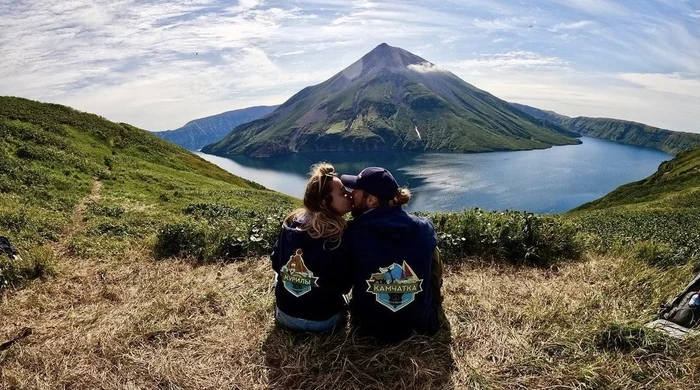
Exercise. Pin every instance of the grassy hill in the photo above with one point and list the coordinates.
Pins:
(203, 131)
(659, 214)
(392, 99)
(51, 155)
(625, 132)
(154, 274)
(676, 184)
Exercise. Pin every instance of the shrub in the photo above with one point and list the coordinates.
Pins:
(511, 236)
(224, 232)
(661, 237)
(34, 263)
(222, 240)
(108, 211)
(214, 211)
(183, 239)
(653, 253)
(228, 246)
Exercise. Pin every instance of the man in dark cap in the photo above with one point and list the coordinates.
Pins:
(397, 273)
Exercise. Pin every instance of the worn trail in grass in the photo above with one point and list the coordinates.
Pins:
(133, 322)
(60, 247)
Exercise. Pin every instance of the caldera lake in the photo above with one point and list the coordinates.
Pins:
(550, 180)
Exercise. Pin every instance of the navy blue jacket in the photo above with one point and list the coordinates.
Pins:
(391, 256)
(311, 276)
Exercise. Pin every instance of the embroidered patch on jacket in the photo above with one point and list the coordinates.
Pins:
(296, 277)
(395, 286)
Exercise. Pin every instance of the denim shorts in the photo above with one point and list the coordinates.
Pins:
(303, 325)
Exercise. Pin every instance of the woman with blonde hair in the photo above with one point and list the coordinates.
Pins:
(309, 258)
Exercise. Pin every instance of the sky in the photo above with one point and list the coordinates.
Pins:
(159, 64)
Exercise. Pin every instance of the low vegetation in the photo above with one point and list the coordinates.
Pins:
(149, 271)
(511, 236)
(214, 232)
(657, 218)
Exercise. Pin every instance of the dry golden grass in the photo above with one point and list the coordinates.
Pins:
(131, 322)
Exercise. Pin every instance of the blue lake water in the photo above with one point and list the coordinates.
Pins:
(552, 180)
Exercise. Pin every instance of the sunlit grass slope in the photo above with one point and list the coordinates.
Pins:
(659, 215)
(49, 157)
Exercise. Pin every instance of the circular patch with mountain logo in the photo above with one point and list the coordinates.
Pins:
(297, 278)
(395, 286)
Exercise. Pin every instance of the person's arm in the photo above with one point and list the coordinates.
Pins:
(275, 255)
(436, 275)
(345, 261)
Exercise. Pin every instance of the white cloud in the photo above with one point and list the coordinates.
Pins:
(425, 67)
(596, 7)
(245, 5)
(695, 14)
(610, 95)
(674, 83)
(572, 26)
(510, 60)
(499, 23)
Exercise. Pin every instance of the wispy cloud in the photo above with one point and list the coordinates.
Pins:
(674, 83)
(510, 60)
(572, 26)
(596, 7)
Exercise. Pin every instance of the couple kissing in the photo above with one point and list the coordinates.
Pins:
(383, 261)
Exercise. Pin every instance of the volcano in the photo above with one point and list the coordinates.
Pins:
(391, 99)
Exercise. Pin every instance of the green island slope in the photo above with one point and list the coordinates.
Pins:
(624, 132)
(144, 267)
(659, 214)
(392, 99)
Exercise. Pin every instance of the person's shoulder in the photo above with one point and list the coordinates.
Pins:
(425, 229)
(294, 232)
(422, 221)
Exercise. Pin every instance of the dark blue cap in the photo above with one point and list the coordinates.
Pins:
(373, 180)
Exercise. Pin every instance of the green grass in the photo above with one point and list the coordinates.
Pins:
(49, 157)
(658, 218)
(336, 128)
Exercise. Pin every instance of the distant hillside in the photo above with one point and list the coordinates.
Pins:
(657, 219)
(392, 99)
(199, 132)
(625, 132)
(676, 184)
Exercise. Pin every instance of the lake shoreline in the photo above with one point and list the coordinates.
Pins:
(551, 180)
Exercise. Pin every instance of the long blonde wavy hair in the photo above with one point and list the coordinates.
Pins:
(318, 217)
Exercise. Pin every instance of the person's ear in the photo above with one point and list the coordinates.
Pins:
(372, 201)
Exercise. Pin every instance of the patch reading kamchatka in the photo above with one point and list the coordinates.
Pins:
(297, 278)
(395, 286)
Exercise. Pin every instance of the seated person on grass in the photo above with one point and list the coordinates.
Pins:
(396, 270)
(309, 261)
